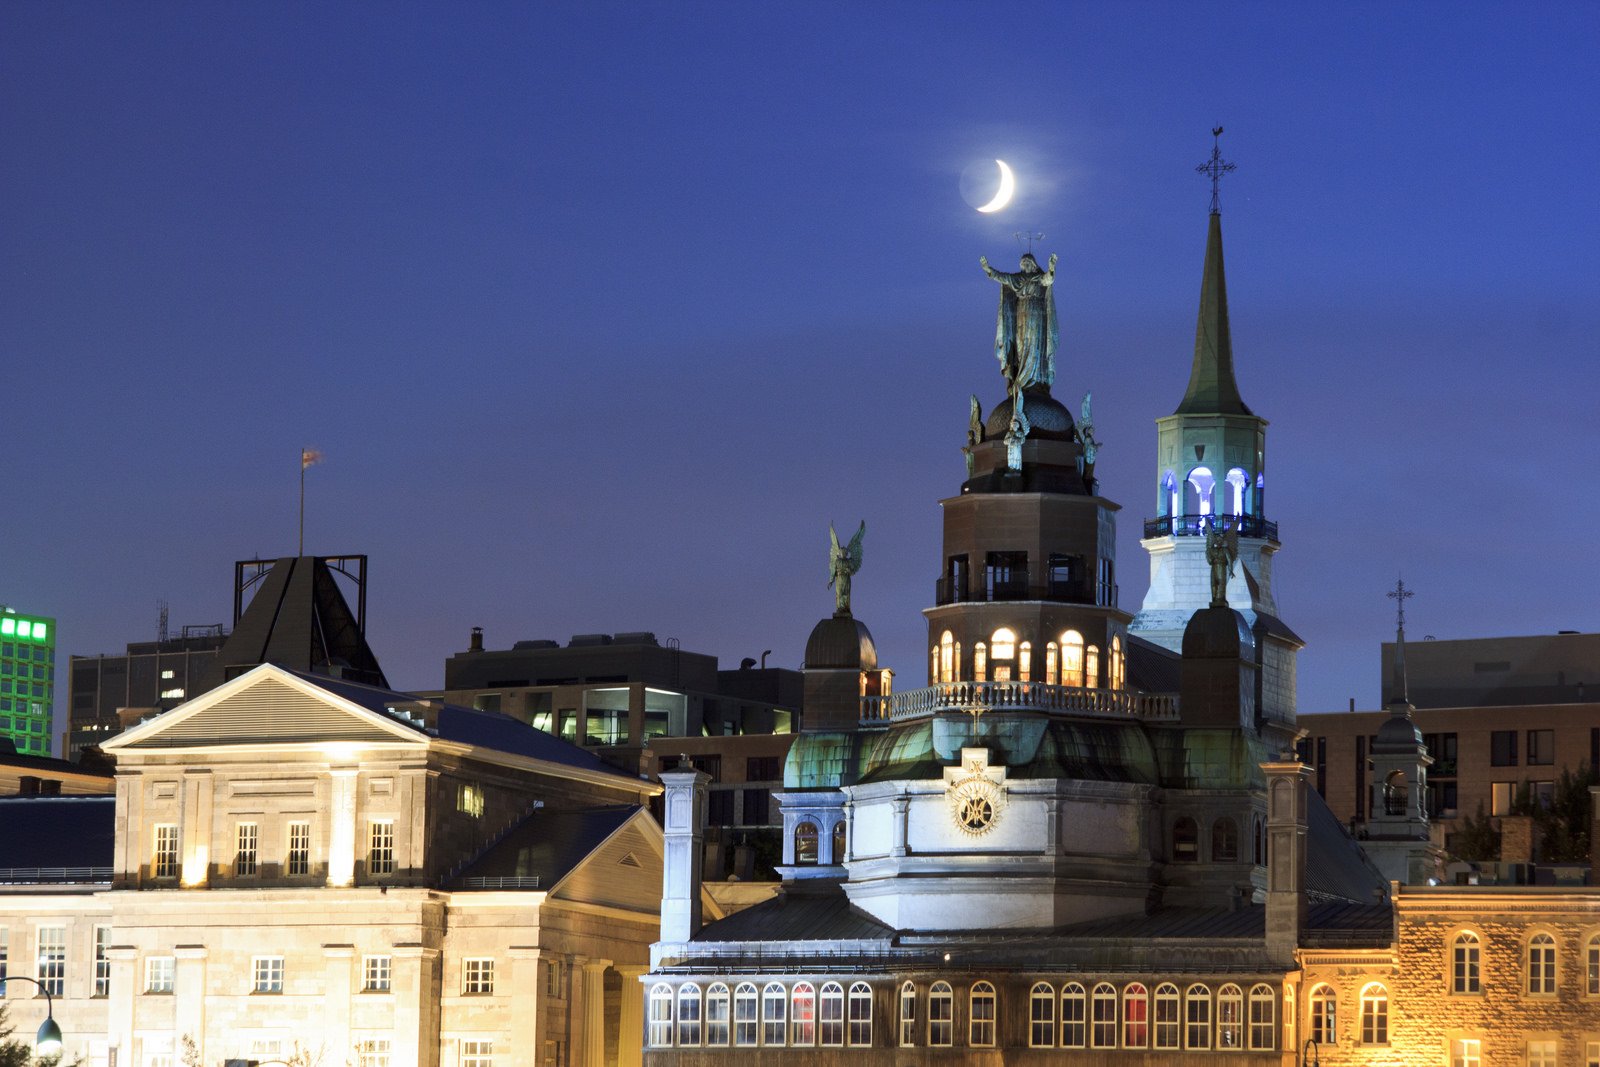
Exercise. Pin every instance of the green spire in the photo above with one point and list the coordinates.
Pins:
(1212, 390)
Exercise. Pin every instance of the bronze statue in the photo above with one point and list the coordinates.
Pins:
(1017, 432)
(1222, 552)
(1025, 333)
(974, 434)
(842, 564)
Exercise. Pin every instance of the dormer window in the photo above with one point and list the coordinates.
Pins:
(805, 844)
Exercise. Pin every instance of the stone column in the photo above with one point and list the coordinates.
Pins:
(196, 832)
(413, 984)
(342, 829)
(189, 994)
(684, 829)
(902, 809)
(338, 985)
(630, 1024)
(124, 995)
(591, 1051)
(1287, 783)
(527, 1012)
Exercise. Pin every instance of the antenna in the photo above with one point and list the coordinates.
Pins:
(161, 626)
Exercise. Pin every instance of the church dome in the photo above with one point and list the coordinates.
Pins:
(1218, 633)
(1046, 416)
(1398, 731)
(841, 643)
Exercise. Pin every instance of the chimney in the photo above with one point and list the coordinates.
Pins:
(1287, 786)
(477, 640)
(684, 827)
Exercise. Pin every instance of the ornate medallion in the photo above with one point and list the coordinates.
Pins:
(975, 791)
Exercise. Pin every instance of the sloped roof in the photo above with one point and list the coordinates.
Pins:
(1336, 867)
(299, 619)
(1152, 668)
(1212, 388)
(801, 911)
(548, 845)
(56, 832)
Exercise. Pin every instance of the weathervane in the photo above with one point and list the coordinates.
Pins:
(1215, 167)
(1400, 594)
(1029, 236)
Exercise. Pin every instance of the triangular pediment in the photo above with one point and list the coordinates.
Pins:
(267, 706)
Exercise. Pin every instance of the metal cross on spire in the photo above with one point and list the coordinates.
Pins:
(1400, 594)
(1029, 236)
(1215, 168)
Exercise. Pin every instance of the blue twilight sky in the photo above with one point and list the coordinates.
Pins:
(602, 312)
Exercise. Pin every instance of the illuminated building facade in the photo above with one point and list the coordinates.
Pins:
(27, 680)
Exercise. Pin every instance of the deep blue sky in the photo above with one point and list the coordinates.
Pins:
(601, 312)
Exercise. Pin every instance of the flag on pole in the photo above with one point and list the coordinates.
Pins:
(310, 457)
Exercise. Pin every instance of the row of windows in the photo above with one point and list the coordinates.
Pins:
(1075, 1016)
(165, 861)
(1067, 661)
(1324, 1004)
(1539, 964)
(1224, 841)
(1199, 489)
(8, 650)
(22, 670)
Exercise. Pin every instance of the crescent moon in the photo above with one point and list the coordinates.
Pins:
(1002, 196)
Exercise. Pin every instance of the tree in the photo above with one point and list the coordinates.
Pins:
(1476, 841)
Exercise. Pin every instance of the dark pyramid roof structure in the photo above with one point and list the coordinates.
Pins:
(1212, 389)
(299, 619)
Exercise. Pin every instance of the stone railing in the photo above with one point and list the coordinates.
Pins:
(975, 698)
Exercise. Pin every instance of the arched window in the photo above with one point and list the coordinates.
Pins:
(1197, 491)
(955, 675)
(947, 660)
(1238, 485)
(934, 678)
(1263, 1017)
(1025, 662)
(941, 1013)
(1003, 644)
(774, 1014)
(830, 1017)
(1261, 493)
(688, 1015)
(805, 843)
(908, 1015)
(860, 1008)
(1119, 666)
(1374, 1015)
(1168, 503)
(1260, 836)
(1052, 664)
(745, 1023)
(1103, 1016)
(717, 1014)
(838, 842)
(1395, 793)
(803, 1015)
(1185, 840)
(1230, 1017)
(1042, 1016)
(1071, 658)
(1542, 965)
(1325, 1015)
(1074, 1016)
(1465, 960)
(1197, 1017)
(1224, 841)
(1290, 1018)
(980, 662)
(980, 1020)
(1592, 958)
(1091, 667)
(1135, 1016)
(661, 1016)
(1168, 1021)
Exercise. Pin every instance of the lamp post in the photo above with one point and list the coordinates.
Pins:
(48, 1040)
(1316, 1053)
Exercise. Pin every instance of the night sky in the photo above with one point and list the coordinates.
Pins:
(602, 312)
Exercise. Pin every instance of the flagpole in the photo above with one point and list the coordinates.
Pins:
(302, 549)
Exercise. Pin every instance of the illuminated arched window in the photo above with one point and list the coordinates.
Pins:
(1197, 490)
(1541, 965)
(1025, 662)
(1230, 1017)
(803, 1015)
(1091, 667)
(933, 666)
(661, 1016)
(805, 843)
(980, 1020)
(1465, 963)
(1042, 1016)
(830, 1014)
(860, 1014)
(947, 662)
(908, 1015)
(1119, 665)
(688, 1015)
(774, 1014)
(980, 662)
(1074, 1016)
(1103, 1016)
(1135, 1016)
(1003, 644)
(1374, 1015)
(1167, 505)
(1197, 1017)
(1238, 486)
(1224, 840)
(1324, 1014)
(1168, 1030)
(1052, 664)
(1263, 1017)
(1185, 840)
(941, 1015)
(1072, 658)
(717, 1014)
(955, 674)
(838, 842)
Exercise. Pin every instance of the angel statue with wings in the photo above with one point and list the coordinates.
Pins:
(1222, 552)
(842, 563)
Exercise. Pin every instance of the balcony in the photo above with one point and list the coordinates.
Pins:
(975, 698)
(1195, 526)
(1017, 587)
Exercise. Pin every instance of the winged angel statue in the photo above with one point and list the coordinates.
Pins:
(1222, 553)
(842, 563)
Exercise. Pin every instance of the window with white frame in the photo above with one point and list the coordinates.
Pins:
(774, 1014)
(376, 974)
(1466, 1052)
(1074, 1016)
(164, 860)
(908, 1015)
(1465, 962)
(941, 1015)
(299, 852)
(717, 998)
(380, 847)
(102, 962)
(803, 1015)
(372, 1052)
(1230, 1017)
(52, 960)
(1135, 1015)
(158, 1051)
(1168, 1029)
(477, 976)
(158, 974)
(1324, 1015)
(1197, 1017)
(660, 1032)
(1042, 1016)
(1591, 954)
(478, 1053)
(1542, 1053)
(247, 836)
(859, 1015)
(267, 974)
(981, 1015)
(1374, 1015)
(1263, 1017)
(1541, 965)
(688, 1015)
(746, 1026)
(830, 1015)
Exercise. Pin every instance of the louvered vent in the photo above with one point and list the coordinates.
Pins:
(267, 711)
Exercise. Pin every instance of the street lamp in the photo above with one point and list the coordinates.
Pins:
(48, 1041)
(1316, 1053)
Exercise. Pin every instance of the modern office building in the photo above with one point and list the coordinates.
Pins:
(27, 680)
(151, 675)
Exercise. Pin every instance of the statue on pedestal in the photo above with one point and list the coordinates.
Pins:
(1025, 333)
(1222, 552)
(974, 434)
(843, 563)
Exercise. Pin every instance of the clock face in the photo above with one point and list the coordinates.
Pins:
(975, 805)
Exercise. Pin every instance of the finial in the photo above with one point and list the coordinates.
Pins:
(1400, 594)
(1215, 168)
(1029, 236)
(1401, 695)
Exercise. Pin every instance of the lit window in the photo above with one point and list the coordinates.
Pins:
(1466, 1052)
(1324, 1015)
(1042, 1016)
(1542, 1053)
(164, 864)
(167, 676)
(244, 858)
(1542, 965)
(1103, 1006)
(805, 843)
(1591, 1054)
(375, 974)
(831, 1015)
(1135, 1016)
(941, 1015)
(299, 848)
(267, 974)
(1230, 1017)
(980, 1028)
(803, 1015)
(1052, 664)
(717, 1014)
(1200, 484)
(660, 1016)
(52, 961)
(688, 1015)
(745, 1024)
(1074, 1016)
(372, 1052)
(477, 976)
(1168, 1019)
(469, 799)
(908, 1015)
(158, 974)
(380, 850)
(947, 663)
(1237, 481)
(1091, 667)
(1072, 658)
(1465, 956)
(102, 962)
(1025, 662)
(774, 1014)
(860, 1033)
(1374, 1015)
(1263, 1017)
(980, 662)
(176, 693)
(1197, 1017)
(477, 1054)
